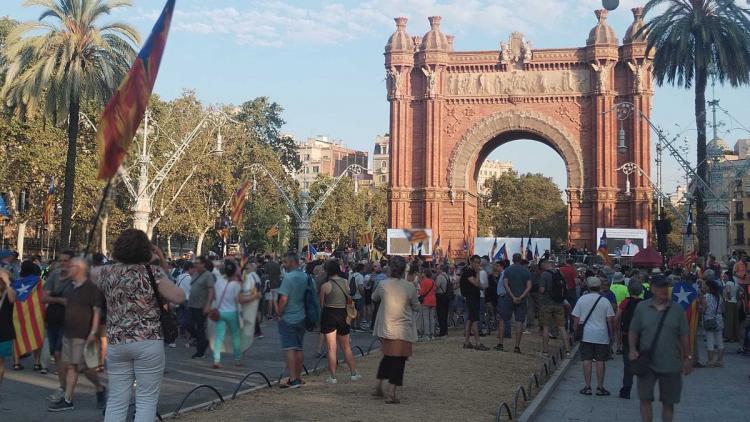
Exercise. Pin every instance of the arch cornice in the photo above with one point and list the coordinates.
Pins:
(468, 148)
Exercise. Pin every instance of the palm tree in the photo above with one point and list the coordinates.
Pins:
(691, 39)
(66, 57)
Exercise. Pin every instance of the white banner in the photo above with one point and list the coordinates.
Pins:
(483, 245)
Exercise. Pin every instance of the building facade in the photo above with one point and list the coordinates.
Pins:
(321, 155)
(380, 160)
(491, 169)
(729, 172)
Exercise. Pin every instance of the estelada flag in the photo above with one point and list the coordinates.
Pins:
(49, 206)
(124, 111)
(273, 231)
(602, 250)
(28, 314)
(415, 235)
(238, 202)
(685, 295)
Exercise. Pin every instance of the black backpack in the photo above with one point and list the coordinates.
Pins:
(353, 285)
(556, 290)
(627, 315)
(449, 294)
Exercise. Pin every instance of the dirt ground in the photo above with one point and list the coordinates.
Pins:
(442, 382)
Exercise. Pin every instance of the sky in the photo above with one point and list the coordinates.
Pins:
(323, 61)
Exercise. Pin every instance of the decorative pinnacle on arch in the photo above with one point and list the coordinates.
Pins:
(401, 22)
(601, 15)
(637, 13)
(435, 21)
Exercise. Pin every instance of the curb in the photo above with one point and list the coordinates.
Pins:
(536, 405)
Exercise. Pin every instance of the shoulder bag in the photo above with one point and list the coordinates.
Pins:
(167, 318)
(421, 297)
(642, 365)
(213, 314)
(578, 335)
(351, 310)
(712, 323)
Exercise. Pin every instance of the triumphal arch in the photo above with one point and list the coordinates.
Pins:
(449, 109)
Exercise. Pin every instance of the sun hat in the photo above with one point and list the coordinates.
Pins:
(594, 282)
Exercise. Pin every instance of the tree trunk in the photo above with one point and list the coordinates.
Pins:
(70, 173)
(21, 239)
(701, 79)
(199, 245)
(169, 246)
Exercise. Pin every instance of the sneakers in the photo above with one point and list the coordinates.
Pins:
(468, 346)
(60, 406)
(499, 347)
(331, 380)
(356, 376)
(101, 399)
(57, 395)
(172, 345)
(198, 355)
(291, 384)
(516, 350)
(481, 347)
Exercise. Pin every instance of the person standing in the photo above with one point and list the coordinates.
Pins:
(471, 292)
(553, 292)
(57, 286)
(713, 324)
(731, 310)
(82, 317)
(357, 292)
(443, 297)
(669, 351)
(428, 293)
(333, 325)
(568, 271)
(292, 328)
(7, 331)
(624, 316)
(596, 315)
(134, 332)
(396, 328)
(517, 285)
(201, 297)
(229, 289)
(272, 270)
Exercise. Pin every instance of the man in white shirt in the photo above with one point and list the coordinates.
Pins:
(184, 279)
(595, 312)
(629, 248)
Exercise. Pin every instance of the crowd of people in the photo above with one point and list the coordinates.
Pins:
(109, 315)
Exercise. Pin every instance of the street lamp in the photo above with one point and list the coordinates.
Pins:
(530, 220)
(302, 214)
(610, 4)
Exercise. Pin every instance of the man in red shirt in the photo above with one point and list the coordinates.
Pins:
(569, 274)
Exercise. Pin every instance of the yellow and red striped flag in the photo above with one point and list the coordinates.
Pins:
(415, 235)
(49, 206)
(238, 202)
(28, 314)
(124, 111)
(273, 231)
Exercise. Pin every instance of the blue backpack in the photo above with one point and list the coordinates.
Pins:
(312, 306)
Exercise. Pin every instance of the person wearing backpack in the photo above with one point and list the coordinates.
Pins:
(623, 317)
(356, 291)
(552, 289)
(444, 296)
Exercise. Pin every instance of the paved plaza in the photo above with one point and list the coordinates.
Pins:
(718, 394)
(24, 393)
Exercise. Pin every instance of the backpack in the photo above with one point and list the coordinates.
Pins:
(353, 285)
(556, 289)
(312, 306)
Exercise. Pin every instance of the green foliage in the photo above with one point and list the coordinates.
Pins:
(263, 121)
(510, 200)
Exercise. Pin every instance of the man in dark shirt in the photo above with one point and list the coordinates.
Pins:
(470, 291)
(273, 272)
(7, 332)
(82, 318)
(517, 284)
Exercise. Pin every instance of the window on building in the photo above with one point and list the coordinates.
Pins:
(739, 209)
(316, 169)
(306, 185)
(307, 157)
(382, 179)
(383, 164)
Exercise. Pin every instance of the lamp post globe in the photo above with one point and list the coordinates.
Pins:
(610, 4)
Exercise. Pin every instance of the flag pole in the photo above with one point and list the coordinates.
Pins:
(95, 221)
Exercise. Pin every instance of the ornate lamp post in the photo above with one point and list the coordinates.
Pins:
(301, 213)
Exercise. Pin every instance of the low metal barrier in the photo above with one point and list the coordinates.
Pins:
(265, 378)
(210, 387)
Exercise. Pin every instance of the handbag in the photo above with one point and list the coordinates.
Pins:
(712, 324)
(641, 366)
(213, 314)
(421, 297)
(578, 335)
(351, 310)
(167, 318)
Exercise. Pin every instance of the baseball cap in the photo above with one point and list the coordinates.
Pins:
(594, 282)
(659, 281)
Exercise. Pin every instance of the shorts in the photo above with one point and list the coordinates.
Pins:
(334, 319)
(552, 316)
(291, 335)
(6, 349)
(595, 351)
(274, 295)
(72, 350)
(472, 309)
(360, 305)
(55, 338)
(670, 387)
(368, 296)
(508, 309)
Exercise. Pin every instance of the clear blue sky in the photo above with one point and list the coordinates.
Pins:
(323, 60)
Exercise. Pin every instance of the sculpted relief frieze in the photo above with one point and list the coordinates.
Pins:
(518, 82)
